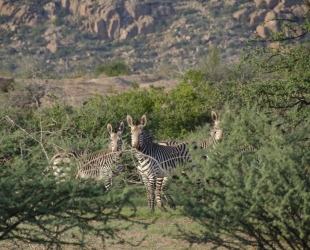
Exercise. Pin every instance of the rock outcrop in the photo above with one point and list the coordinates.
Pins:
(125, 20)
(103, 18)
(264, 18)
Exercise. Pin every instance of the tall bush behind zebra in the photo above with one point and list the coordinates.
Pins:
(100, 166)
(207, 148)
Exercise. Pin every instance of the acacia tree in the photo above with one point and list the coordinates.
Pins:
(36, 207)
(258, 198)
(283, 63)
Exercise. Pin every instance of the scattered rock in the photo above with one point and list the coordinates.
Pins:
(271, 15)
(50, 10)
(298, 11)
(53, 46)
(238, 14)
(262, 31)
(272, 26)
(257, 16)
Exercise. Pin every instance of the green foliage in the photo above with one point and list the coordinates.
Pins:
(4, 19)
(112, 68)
(283, 73)
(37, 208)
(63, 52)
(218, 70)
(62, 12)
(58, 21)
(172, 114)
(261, 204)
(31, 201)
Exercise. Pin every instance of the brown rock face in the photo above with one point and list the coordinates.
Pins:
(262, 31)
(130, 32)
(99, 27)
(298, 11)
(238, 14)
(271, 15)
(102, 17)
(271, 3)
(163, 10)
(258, 16)
(136, 9)
(145, 25)
(273, 26)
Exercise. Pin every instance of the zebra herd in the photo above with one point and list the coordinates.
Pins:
(156, 161)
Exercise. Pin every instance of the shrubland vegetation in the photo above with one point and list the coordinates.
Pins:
(258, 199)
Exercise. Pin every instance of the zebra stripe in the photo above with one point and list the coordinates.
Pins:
(98, 166)
(156, 161)
(249, 149)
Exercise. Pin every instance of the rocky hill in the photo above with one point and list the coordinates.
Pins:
(70, 37)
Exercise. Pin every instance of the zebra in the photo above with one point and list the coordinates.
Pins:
(156, 161)
(94, 165)
(216, 134)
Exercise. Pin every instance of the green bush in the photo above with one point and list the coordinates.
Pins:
(31, 199)
(263, 204)
(4, 19)
(113, 68)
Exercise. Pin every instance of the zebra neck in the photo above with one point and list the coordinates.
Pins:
(147, 148)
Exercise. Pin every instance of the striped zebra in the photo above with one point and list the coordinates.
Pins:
(94, 165)
(216, 134)
(156, 162)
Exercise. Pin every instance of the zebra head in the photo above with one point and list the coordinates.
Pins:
(116, 137)
(216, 133)
(139, 136)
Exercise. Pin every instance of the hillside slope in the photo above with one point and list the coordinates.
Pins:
(71, 37)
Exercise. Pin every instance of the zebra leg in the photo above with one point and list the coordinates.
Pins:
(167, 196)
(150, 191)
(159, 182)
(108, 185)
(106, 176)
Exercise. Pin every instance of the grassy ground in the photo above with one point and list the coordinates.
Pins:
(143, 230)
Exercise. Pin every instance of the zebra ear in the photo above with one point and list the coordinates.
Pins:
(129, 121)
(143, 120)
(214, 116)
(121, 127)
(110, 129)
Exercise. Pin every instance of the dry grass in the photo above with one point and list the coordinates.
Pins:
(144, 231)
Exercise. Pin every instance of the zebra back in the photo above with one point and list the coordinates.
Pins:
(168, 156)
(98, 165)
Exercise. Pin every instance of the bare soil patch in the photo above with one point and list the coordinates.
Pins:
(76, 91)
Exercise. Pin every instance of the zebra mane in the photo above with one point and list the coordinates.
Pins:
(148, 134)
